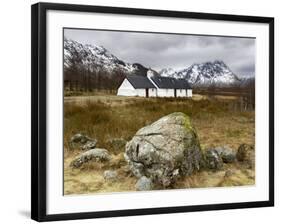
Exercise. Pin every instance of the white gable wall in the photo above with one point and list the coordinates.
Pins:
(189, 93)
(140, 92)
(152, 92)
(126, 89)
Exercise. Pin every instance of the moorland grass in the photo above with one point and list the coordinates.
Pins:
(215, 121)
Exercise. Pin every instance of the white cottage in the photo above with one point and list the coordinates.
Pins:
(154, 86)
(136, 85)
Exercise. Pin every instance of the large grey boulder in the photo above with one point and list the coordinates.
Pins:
(97, 155)
(165, 150)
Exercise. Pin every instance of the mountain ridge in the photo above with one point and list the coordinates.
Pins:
(94, 58)
(206, 74)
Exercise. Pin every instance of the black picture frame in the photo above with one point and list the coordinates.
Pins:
(38, 108)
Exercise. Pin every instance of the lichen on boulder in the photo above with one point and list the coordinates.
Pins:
(165, 150)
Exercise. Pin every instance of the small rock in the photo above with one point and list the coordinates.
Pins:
(213, 159)
(246, 154)
(80, 140)
(97, 154)
(89, 145)
(110, 175)
(144, 184)
(227, 154)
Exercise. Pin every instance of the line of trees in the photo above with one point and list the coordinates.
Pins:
(80, 77)
(245, 94)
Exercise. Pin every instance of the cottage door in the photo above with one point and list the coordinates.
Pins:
(175, 92)
(146, 93)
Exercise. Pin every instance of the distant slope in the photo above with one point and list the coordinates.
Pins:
(96, 58)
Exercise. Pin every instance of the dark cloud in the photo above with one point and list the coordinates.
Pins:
(169, 50)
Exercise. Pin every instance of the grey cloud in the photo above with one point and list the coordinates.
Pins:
(169, 50)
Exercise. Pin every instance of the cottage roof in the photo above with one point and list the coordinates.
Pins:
(170, 83)
(140, 82)
(182, 84)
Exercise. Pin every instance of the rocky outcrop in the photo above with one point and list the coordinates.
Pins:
(165, 150)
(97, 155)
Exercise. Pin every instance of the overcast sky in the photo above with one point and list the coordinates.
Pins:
(160, 51)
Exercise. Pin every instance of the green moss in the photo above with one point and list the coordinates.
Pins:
(187, 123)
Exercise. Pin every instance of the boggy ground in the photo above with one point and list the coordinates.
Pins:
(218, 122)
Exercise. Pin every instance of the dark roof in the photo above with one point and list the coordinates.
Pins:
(182, 84)
(170, 83)
(140, 82)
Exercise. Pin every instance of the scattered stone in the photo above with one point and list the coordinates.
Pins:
(110, 175)
(227, 154)
(213, 160)
(165, 150)
(82, 141)
(144, 184)
(97, 154)
(246, 154)
(89, 145)
(79, 138)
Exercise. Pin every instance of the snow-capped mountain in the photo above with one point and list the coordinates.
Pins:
(170, 72)
(95, 58)
(167, 72)
(86, 58)
(206, 74)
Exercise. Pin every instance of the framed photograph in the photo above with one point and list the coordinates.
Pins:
(140, 111)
